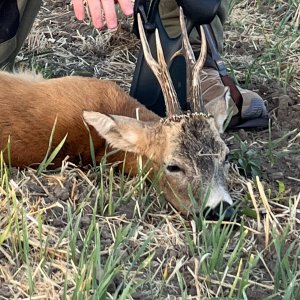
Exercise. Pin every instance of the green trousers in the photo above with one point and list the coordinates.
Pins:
(169, 13)
(16, 19)
(15, 25)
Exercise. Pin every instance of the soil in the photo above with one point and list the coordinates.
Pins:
(284, 111)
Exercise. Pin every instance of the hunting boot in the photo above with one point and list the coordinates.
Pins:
(213, 87)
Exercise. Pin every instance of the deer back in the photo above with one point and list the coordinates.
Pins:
(29, 106)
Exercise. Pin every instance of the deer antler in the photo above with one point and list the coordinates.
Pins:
(160, 70)
(193, 67)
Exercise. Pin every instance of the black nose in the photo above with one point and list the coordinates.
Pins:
(223, 210)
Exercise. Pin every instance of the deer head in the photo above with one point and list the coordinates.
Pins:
(186, 147)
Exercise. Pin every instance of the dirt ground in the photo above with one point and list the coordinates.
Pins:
(58, 45)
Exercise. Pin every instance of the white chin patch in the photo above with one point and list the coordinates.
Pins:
(217, 195)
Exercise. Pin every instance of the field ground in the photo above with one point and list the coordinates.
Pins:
(91, 233)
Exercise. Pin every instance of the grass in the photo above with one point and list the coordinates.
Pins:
(50, 155)
(246, 158)
(273, 48)
(96, 233)
(275, 152)
(84, 249)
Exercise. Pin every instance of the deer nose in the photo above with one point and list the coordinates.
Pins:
(223, 209)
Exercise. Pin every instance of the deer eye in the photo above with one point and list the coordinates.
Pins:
(173, 169)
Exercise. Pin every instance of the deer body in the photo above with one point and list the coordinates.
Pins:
(29, 106)
(187, 148)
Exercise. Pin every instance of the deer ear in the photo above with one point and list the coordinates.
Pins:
(221, 109)
(120, 132)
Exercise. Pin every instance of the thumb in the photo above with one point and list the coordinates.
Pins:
(78, 9)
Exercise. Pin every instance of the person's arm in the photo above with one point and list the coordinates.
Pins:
(98, 8)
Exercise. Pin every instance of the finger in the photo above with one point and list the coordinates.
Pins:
(126, 6)
(110, 13)
(96, 12)
(78, 9)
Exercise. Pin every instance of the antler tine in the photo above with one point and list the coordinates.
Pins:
(193, 67)
(160, 71)
(196, 80)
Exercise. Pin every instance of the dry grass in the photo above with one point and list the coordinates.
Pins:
(46, 222)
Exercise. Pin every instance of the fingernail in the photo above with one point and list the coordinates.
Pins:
(128, 12)
(112, 24)
(98, 24)
(111, 30)
(79, 16)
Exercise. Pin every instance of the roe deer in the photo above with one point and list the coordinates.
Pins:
(187, 147)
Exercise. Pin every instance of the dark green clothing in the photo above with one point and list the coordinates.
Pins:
(169, 13)
(16, 19)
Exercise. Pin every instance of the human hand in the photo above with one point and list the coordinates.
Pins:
(98, 7)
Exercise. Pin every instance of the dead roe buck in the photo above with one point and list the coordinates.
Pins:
(187, 147)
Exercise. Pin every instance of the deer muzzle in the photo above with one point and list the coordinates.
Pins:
(220, 204)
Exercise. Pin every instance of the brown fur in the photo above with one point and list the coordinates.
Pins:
(30, 105)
